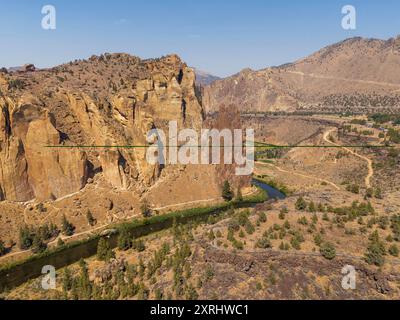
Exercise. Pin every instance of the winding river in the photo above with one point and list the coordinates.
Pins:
(31, 269)
(271, 191)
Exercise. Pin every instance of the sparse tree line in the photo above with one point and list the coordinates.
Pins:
(364, 100)
(236, 223)
(139, 280)
(36, 238)
(349, 128)
(381, 118)
(376, 249)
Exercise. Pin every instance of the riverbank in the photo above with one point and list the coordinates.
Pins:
(16, 273)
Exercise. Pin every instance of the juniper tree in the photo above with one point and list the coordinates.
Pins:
(38, 246)
(25, 237)
(84, 284)
(124, 239)
(301, 204)
(227, 193)
(67, 227)
(145, 209)
(104, 252)
(239, 196)
(67, 280)
(376, 251)
(2, 248)
(91, 220)
(394, 250)
(328, 250)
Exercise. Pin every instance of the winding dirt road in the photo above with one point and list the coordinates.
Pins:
(320, 76)
(369, 161)
(300, 174)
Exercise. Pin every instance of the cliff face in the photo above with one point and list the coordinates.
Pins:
(114, 99)
(355, 72)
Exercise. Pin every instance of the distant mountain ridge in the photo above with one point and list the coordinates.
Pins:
(352, 73)
(204, 78)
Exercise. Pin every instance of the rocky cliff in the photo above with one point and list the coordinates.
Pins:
(107, 100)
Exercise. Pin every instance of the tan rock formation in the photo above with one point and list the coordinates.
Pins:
(111, 100)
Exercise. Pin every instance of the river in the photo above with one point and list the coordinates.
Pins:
(271, 191)
(31, 269)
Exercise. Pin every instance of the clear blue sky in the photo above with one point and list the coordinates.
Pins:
(219, 36)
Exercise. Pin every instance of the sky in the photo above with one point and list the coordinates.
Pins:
(218, 36)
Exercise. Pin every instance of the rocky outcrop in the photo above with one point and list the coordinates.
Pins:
(28, 168)
(110, 100)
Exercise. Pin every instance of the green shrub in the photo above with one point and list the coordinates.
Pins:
(138, 245)
(262, 217)
(394, 250)
(283, 213)
(145, 209)
(301, 204)
(263, 243)
(38, 246)
(284, 246)
(237, 244)
(395, 226)
(328, 250)
(211, 235)
(243, 218)
(318, 239)
(90, 219)
(312, 207)
(16, 84)
(303, 221)
(376, 251)
(233, 224)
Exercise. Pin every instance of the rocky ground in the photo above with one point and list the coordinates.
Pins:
(202, 261)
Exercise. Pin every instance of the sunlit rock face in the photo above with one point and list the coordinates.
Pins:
(107, 100)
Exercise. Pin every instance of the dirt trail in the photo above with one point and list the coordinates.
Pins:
(369, 161)
(199, 201)
(108, 224)
(300, 174)
(318, 76)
